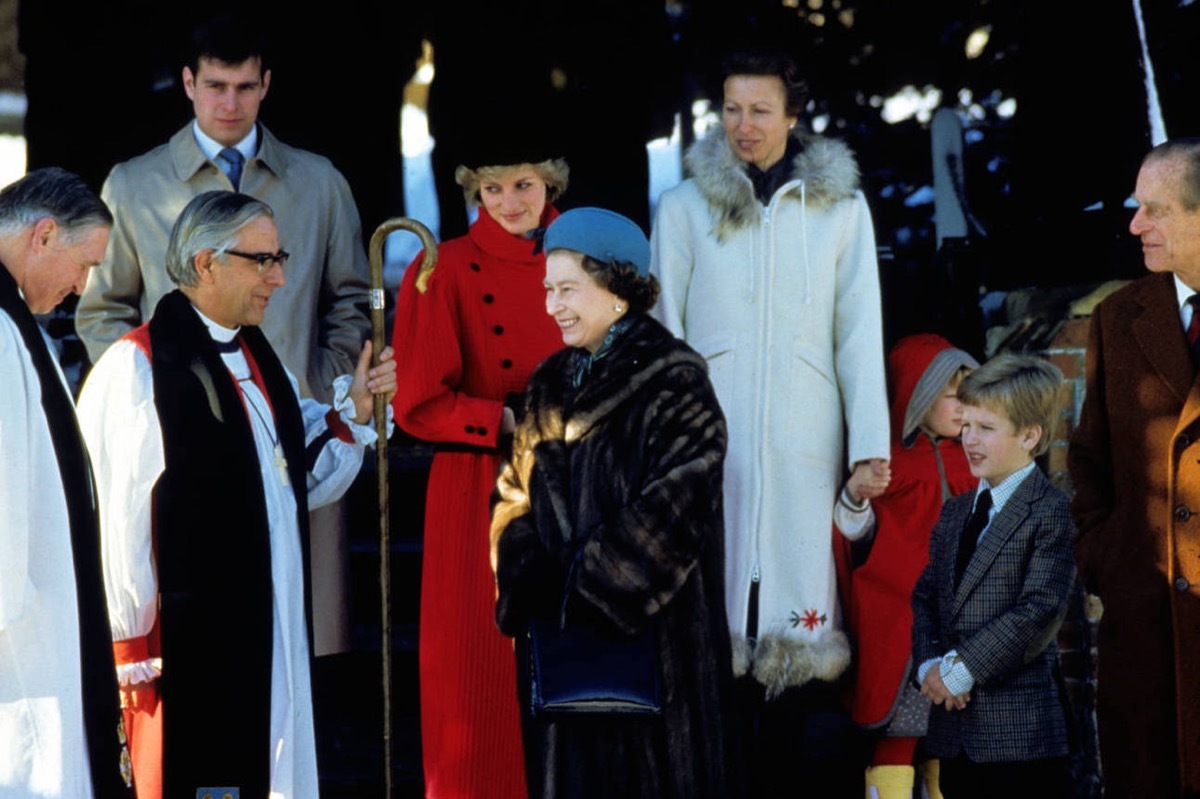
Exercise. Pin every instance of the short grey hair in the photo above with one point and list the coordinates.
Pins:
(1186, 151)
(52, 193)
(211, 221)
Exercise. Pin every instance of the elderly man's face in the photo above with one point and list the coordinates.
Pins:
(59, 263)
(240, 291)
(1169, 232)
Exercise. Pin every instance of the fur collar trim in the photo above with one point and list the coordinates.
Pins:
(823, 174)
(637, 357)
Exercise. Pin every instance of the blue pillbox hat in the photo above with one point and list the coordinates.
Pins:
(604, 235)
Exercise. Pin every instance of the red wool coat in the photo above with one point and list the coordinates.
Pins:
(473, 338)
(879, 610)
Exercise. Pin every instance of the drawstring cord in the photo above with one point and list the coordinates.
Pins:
(804, 244)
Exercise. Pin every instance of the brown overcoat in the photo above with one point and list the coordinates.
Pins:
(1135, 465)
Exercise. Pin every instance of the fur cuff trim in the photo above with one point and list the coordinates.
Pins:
(780, 662)
(742, 653)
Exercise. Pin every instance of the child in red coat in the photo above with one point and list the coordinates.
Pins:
(892, 515)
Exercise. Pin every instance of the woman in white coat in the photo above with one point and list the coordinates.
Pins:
(766, 258)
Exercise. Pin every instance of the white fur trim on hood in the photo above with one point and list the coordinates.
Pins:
(824, 173)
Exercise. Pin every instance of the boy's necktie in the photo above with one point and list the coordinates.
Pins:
(971, 532)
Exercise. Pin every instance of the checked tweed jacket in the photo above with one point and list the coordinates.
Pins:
(1002, 620)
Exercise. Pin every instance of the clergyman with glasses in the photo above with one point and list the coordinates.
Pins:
(324, 317)
(320, 316)
(208, 461)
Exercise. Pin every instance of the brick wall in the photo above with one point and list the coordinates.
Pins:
(1067, 351)
(1076, 640)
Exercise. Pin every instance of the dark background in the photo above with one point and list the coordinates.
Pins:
(102, 82)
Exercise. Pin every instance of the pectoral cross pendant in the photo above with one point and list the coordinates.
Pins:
(281, 465)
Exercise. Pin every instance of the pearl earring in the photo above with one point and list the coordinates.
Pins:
(618, 308)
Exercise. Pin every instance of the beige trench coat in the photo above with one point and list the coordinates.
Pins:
(317, 322)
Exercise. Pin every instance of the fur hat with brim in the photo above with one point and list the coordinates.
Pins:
(604, 235)
(515, 135)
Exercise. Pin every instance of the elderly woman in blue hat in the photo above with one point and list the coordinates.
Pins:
(609, 517)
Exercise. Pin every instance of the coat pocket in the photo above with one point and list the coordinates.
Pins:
(718, 352)
(813, 410)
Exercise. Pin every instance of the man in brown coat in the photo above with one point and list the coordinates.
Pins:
(1135, 464)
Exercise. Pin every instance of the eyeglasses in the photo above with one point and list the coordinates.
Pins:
(265, 260)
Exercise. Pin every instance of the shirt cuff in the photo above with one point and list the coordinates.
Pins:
(852, 506)
(140, 672)
(346, 411)
(924, 668)
(955, 674)
(854, 521)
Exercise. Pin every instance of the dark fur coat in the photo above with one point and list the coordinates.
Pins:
(621, 480)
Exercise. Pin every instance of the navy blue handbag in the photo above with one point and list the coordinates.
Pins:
(578, 670)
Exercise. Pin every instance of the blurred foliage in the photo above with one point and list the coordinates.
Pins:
(12, 63)
(1053, 101)
(1051, 93)
(1052, 96)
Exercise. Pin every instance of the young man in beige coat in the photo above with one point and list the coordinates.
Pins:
(318, 320)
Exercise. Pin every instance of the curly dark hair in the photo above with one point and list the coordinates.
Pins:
(622, 279)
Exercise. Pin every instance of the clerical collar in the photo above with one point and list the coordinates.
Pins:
(767, 182)
(211, 147)
(223, 337)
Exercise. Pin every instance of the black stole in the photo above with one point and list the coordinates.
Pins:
(101, 705)
(213, 555)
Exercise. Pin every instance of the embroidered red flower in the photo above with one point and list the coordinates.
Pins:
(811, 619)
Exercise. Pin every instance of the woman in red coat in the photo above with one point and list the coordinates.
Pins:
(463, 346)
(927, 467)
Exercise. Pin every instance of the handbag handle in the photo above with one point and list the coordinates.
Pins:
(566, 597)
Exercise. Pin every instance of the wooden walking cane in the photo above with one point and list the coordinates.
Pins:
(381, 454)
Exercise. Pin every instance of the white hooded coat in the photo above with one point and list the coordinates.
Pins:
(783, 301)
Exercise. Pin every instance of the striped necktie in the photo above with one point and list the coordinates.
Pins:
(231, 161)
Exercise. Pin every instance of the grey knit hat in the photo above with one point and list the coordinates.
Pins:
(937, 374)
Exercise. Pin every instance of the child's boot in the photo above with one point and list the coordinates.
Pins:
(890, 782)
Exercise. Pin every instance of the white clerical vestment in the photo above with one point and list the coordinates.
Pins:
(121, 426)
(43, 749)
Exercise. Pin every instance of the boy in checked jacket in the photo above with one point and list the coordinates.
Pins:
(988, 606)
